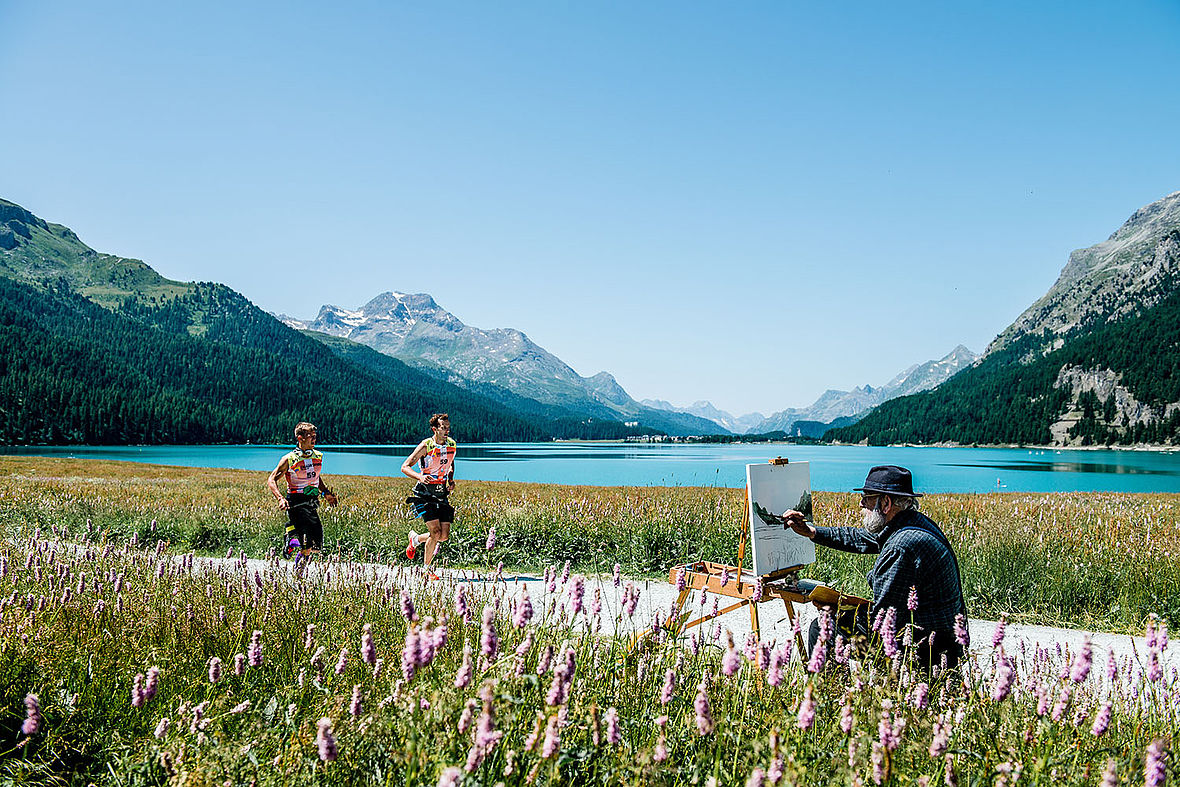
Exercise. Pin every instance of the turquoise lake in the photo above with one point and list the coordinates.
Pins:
(833, 468)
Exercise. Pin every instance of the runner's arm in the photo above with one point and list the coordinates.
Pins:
(411, 460)
(272, 483)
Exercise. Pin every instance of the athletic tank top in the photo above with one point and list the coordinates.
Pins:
(303, 470)
(439, 461)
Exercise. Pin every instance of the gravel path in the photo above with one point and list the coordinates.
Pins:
(657, 597)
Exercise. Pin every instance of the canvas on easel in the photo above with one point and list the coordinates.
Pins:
(773, 488)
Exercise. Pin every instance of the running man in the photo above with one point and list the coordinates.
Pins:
(435, 474)
(305, 485)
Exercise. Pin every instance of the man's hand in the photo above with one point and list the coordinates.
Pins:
(330, 498)
(282, 504)
(451, 485)
(795, 521)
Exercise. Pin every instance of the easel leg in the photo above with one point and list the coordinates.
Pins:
(798, 637)
(754, 619)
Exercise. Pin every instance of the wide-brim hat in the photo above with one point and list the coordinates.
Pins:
(889, 480)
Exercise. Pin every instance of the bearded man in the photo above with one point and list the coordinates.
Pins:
(916, 573)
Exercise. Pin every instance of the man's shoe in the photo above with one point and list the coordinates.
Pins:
(292, 547)
(411, 550)
(431, 576)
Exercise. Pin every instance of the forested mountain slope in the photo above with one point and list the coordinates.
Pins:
(1095, 361)
(101, 349)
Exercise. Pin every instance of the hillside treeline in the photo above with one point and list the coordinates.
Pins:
(1008, 399)
(210, 367)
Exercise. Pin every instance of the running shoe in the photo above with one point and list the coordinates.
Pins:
(431, 576)
(411, 549)
(292, 547)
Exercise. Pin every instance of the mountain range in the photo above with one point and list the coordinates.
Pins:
(416, 330)
(1096, 360)
(834, 405)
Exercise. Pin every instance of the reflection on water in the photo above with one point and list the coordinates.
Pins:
(1075, 467)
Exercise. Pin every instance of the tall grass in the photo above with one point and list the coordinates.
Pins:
(1101, 561)
(560, 699)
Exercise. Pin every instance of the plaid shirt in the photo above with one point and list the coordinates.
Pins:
(913, 552)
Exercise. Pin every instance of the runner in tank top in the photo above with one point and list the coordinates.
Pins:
(300, 470)
(432, 465)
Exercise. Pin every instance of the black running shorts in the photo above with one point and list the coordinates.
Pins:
(430, 502)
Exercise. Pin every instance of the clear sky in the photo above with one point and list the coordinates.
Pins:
(746, 202)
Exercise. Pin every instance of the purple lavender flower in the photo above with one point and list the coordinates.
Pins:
(137, 691)
(489, 643)
(1155, 764)
(889, 632)
(617, 574)
(342, 662)
(681, 579)
(806, 715)
(661, 751)
(998, 634)
(240, 664)
(214, 669)
(1062, 703)
(942, 734)
(543, 661)
(911, 602)
(757, 778)
(1154, 670)
(962, 633)
(1112, 669)
(577, 593)
(240, 707)
(523, 611)
(565, 573)
(1004, 676)
(326, 740)
(450, 777)
(1081, 664)
(368, 650)
(461, 603)
(731, 661)
(464, 673)
(354, 707)
(32, 722)
(408, 607)
(491, 542)
(596, 604)
(552, 738)
(559, 689)
(162, 728)
(920, 696)
(254, 652)
(613, 734)
(669, 689)
(704, 711)
(410, 654)
(630, 599)
(725, 576)
(151, 684)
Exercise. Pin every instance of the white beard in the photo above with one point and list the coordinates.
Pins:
(874, 521)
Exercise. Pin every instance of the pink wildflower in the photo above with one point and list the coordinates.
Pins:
(704, 711)
(408, 607)
(757, 778)
(661, 751)
(137, 691)
(806, 715)
(613, 734)
(151, 683)
(617, 574)
(1102, 719)
(489, 643)
(450, 777)
(239, 664)
(368, 650)
(1155, 767)
(214, 669)
(354, 707)
(524, 609)
(669, 689)
(465, 671)
(998, 634)
(962, 633)
(1081, 664)
(911, 602)
(254, 652)
(1004, 676)
(162, 728)
(491, 542)
(326, 740)
(342, 662)
(552, 738)
(32, 722)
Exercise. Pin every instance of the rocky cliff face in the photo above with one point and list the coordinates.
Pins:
(1131, 271)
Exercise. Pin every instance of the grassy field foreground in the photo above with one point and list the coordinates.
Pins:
(125, 665)
(1098, 561)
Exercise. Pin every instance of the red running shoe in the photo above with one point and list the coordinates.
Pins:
(410, 549)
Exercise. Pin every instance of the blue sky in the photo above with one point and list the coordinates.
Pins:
(742, 202)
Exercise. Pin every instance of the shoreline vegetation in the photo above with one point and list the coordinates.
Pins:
(128, 660)
(1096, 561)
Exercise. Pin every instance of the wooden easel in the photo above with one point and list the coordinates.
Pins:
(782, 584)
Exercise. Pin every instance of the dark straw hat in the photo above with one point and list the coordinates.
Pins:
(890, 480)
